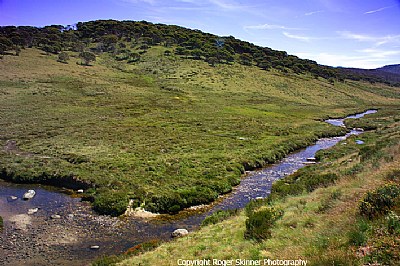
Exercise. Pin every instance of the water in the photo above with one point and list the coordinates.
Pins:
(79, 228)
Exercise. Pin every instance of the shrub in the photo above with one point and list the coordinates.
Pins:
(260, 222)
(63, 57)
(111, 203)
(393, 222)
(379, 201)
(219, 216)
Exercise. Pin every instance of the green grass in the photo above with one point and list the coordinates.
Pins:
(323, 226)
(165, 131)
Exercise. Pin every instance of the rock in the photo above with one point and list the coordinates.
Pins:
(80, 191)
(308, 162)
(311, 159)
(55, 216)
(12, 198)
(94, 247)
(180, 233)
(29, 194)
(32, 211)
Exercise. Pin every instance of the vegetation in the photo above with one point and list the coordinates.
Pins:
(260, 222)
(151, 122)
(324, 226)
(1, 224)
(118, 37)
(219, 216)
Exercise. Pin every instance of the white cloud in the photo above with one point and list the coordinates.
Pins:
(377, 40)
(378, 10)
(297, 37)
(365, 61)
(313, 12)
(229, 5)
(375, 53)
(151, 2)
(269, 27)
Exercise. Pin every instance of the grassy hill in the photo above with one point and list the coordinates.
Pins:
(166, 129)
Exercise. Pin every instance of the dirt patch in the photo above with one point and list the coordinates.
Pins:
(21, 221)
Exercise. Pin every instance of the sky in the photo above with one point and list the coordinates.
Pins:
(348, 33)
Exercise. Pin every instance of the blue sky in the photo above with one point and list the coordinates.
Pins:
(351, 33)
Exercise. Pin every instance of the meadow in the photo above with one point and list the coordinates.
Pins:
(164, 131)
(353, 220)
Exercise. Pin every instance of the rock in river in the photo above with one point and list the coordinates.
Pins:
(32, 211)
(29, 194)
(180, 232)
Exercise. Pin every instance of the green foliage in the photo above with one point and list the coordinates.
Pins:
(112, 203)
(260, 222)
(219, 216)
(63, 57)
(380, 201)
(87, 57)
(393, 223)
(107, 35)
(358, 235)
(302, 180)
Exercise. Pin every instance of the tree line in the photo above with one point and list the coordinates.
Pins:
(118, 37)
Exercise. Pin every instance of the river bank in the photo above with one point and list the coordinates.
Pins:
(69, 238)
(321, 220)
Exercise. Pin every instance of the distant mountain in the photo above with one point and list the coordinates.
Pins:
(395, 69)
(388, 74)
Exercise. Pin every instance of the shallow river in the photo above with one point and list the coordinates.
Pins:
(39, 239)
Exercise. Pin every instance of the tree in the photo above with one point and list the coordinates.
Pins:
(63, 57)
(87, 57)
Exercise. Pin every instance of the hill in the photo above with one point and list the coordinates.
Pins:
(159, 114)
(394, 69)
(389, 74)
(111, 36)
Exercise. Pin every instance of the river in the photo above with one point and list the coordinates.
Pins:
(69, 239)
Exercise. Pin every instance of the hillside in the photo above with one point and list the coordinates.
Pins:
(116, 109)
(394, 69)
(119, 37)
(389, 74)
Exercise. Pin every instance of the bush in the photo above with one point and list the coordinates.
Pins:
(219, 216)
(393, 223)
(63, 57)
(260, 223)
(111, 203)
(380, 201)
